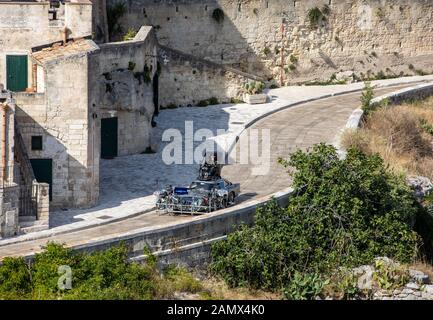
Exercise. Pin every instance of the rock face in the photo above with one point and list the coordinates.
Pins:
(388, 280)
(421, 186)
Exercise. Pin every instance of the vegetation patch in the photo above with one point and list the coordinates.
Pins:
(345, 212)
(401, 135)
(254, 87)
(130, 35)
(316, 16)
(208, 102)
(104, 275)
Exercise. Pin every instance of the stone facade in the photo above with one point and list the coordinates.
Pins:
(73, 85)
(24, 25)
(122, 75)
(61, 117)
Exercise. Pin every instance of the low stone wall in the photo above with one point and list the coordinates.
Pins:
(386, 279)
(9, 198)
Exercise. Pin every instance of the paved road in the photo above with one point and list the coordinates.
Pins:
(296, 127)
(299, 127)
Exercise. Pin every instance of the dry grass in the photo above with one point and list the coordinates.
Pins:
(424, 267)
(216, 289)
(402, 135)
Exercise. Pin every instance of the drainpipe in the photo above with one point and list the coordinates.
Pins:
(4, 108)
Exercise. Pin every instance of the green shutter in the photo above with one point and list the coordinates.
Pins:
(17, 72)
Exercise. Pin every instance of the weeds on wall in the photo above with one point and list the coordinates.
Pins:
(349, 224)
(316, 16)
(104, 275)
(254, 87)
(130, 35)
(208, 102)
(144, 76)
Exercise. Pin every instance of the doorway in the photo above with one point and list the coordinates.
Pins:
(43, 170)
(109, 137)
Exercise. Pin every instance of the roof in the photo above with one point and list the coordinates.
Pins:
(59, 51)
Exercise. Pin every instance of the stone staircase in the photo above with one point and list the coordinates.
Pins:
(29, 224)
(25, 178)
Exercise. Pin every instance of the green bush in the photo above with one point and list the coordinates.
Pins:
(344, 213)
(101, 275)
(254, 87)
(305, 287)
(130, 35)
(366, 97)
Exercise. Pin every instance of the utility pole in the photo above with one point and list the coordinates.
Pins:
(282, 53)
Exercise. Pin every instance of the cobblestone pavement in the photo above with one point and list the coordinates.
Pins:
(128, 182)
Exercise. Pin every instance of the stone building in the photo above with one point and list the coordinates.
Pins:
(75, 101)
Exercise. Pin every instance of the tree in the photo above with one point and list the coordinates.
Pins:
(344, 212)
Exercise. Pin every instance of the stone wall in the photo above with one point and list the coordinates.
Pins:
(121, 75)
(186, 80)
(9, 198)
(7, 114)
(364, 36)
(26, 24)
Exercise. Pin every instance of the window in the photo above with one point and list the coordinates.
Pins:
(36, 142)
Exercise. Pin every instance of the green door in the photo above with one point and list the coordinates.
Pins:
(109, 138)
(17, 73)
(43, 169)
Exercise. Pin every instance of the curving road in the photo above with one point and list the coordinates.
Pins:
(299, 127)
(293, 128)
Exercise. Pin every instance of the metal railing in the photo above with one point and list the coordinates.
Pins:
(29, 187)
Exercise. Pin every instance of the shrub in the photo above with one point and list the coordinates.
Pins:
(315, 16)
(366, 97)
(15, 278)
(254, 87)
(344, 212)
(101, 275)
(236, 100)
(130, 35)
(390, 276)
(208, 102)
(266, 51)
(304, 287)
(293, 59)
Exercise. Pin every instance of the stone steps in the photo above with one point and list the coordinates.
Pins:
(30, 224)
